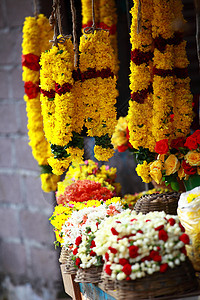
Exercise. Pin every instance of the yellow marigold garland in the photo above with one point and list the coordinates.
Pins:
(36, 35)
(140, 106)
(98, 90)
(183, 97)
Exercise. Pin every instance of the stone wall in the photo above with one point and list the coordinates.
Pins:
(27, 256)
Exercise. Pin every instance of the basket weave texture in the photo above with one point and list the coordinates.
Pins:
(67, 262)
(177, 281)
(106, 282)
(167, 202)
(91, 275)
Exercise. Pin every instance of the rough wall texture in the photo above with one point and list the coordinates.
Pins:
(27, 255)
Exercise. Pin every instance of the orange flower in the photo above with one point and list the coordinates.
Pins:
(171, 165)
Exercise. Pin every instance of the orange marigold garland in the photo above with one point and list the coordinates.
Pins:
(36, 35)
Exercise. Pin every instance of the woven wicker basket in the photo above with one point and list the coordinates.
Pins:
(91, 275)
(177, 281)
(106, 282)
(67, 264)
(167, 202)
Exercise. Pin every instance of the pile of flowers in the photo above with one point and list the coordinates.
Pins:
(134, 246)
(79, 231)
(176, 160)
(90, 170)
(80, 194)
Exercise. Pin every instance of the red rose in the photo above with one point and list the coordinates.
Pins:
(122, 148)
(112, 250)
(181, 227)
(114, 231)
(155, 256)
(123, 261)
(31, 61)
(162, 146)
(31, 89)
(106, 256)
(163, 268)
(183, 250)
(159, 227)
(92, 253)
(75, 251)
(92, 244)
(146, 258)
(171, 221)
(162, 234)
(108, 270)
(196, 134)
(78, 240)
(184, 238)
(177, 143)
(133, 251)
(191, 142)
(77, 262)
(188, 169)
(127, 269)
(140, 231)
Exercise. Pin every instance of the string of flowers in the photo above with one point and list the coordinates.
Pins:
(98, 90)
(183, 97)
(36, 35)
(140, 106)
(59, 106)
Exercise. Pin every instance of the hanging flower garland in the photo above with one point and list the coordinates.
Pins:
(58, 106)
(140, 106)
(36, 35)
(98, 90)
(183, 97)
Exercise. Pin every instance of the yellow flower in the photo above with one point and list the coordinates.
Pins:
(192, 197)
(59, 165)
(143, 171)
(49, 182)
(156, 171)
(193, 158)
(171, 165)
(103, 153)
(119, 136)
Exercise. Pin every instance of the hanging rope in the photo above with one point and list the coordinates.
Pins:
(55, 21)
(35, 8)
(75, 39)
(92, 29)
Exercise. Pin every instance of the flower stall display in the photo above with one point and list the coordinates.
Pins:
(189, 214)
(36, 35)
(90, 170)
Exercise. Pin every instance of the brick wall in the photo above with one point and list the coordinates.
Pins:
(27, 256)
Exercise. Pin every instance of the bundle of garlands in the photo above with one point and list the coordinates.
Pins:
(73, 97)
(36, 35)
(160, 109)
